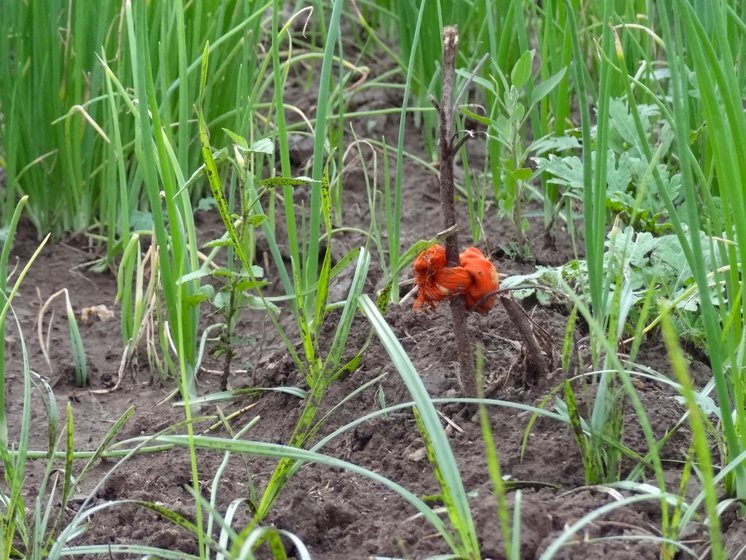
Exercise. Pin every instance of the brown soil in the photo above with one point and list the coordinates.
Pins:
(339, 515)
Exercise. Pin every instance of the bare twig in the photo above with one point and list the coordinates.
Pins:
(468, 135)
(467, 374)
(450, 43)
(536, 364)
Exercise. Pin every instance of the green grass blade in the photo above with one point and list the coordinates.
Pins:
(699, 435)
(341, 335)
(4, 256)
(319, 138)
(107, 440)
(710, 75)
(322, 291)
(394, 211)
(493, 465)
(441, 449)
(80, 363)
(263, 449)
(515, 551)
(67, 480)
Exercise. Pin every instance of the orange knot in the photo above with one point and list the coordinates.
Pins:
(475, 278)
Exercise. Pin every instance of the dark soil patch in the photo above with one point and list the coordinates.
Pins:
(339, 515)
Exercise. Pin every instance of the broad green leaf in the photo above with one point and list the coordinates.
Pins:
(523, 173)
(553, 144)
(194, 275)
(479, 118)
(237, 138)
(263, 146)
(544, 88)
(222, 242)
(256, 220)
(522, 70)
(141, 221)
(519, 111)
(205, 292)
(206, 204)
(246, 285)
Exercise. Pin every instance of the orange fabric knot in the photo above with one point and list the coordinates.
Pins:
(484, 280)
(475, 278)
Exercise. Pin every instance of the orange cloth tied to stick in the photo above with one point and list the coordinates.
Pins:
(475, 278)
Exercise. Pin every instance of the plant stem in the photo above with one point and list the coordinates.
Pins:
(536, 365)
(227, 335)
(445, 110)
(467, 374)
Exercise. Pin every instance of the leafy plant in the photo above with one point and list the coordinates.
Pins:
(515, 101)
(713, 66)
(237, 287)
(650, 265)
(310, 314)
(627, 115)
(631, 193)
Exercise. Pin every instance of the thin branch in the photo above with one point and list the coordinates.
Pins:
(467, 373)
(468, 135)
(450, 44)
(536, 364)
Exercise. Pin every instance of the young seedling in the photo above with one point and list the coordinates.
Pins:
(76, 342)
(229, 299)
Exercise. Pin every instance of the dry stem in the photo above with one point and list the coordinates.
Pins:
(535, 366)
(467, 375)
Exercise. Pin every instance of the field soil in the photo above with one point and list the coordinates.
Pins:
(339, 515)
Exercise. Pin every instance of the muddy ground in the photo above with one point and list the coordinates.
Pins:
(339, 515)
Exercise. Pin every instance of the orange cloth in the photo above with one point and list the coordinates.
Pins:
(475, 278)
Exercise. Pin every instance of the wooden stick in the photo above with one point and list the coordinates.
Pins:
(467, 373)
(536, 365)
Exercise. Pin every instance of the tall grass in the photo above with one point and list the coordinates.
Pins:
(65, 145)
(699, 55)
(14, 512)
(690, 47)
(8, 238)
(51, 133)
(312, 273)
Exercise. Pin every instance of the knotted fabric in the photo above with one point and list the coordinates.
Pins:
(475, 277)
